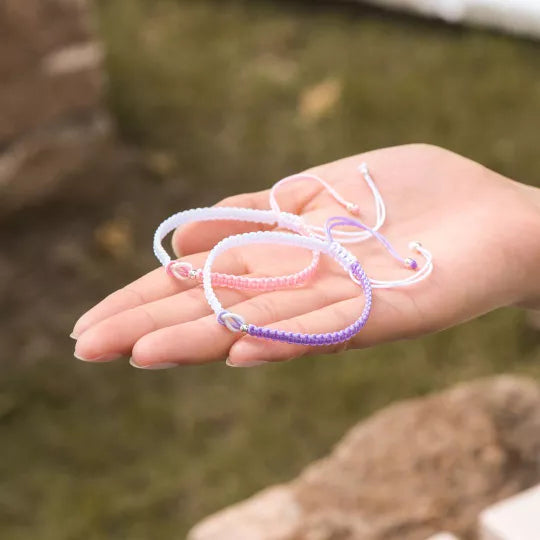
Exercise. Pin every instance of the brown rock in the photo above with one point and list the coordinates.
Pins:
(413, 469)
(51, 115)
(36, 99)
(35, 166)
(32, 29)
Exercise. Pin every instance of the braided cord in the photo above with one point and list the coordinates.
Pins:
(236, 323)
(184, 270)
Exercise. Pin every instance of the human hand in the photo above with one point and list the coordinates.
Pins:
(481, 228)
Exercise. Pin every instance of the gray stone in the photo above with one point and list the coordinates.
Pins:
(412, 470)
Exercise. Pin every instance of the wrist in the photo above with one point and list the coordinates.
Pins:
(528, 274)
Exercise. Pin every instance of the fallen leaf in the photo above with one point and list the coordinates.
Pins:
(318, 100)
(160, 163)
(115, 238)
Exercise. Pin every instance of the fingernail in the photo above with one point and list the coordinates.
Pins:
(250, 363)
(163, 365)
(103, 358)
(78, 329)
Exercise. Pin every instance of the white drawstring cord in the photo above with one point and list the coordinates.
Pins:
(352, 208)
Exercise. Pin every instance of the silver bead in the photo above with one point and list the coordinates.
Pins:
(411, 263)
(353, 208)
(244, 328)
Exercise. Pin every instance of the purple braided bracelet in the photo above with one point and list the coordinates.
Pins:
(236, 323)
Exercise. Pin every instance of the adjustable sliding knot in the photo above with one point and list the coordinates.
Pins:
(341, 253)
(232, 321)
(180, 270)
(357, 273)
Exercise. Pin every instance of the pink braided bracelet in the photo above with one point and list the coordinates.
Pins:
(184, 270)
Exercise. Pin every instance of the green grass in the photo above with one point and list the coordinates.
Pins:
(218, 85)
(108, 452)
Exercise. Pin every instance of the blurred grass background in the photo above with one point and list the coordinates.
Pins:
(217, 97)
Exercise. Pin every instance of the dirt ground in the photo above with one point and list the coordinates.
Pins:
(219, 100)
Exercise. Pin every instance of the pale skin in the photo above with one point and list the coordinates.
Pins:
(483, 230)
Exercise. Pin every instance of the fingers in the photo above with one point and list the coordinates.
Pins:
(204, 340)
(203, 235)
(149, 288)
(386, 321)
(116, 335)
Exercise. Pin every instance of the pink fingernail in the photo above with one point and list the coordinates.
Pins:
(103, 358)
(78, 329)
(250, 363)
(153, 367)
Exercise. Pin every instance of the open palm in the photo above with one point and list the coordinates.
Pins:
(476, 224)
